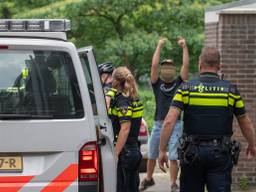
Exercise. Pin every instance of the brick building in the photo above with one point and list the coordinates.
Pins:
(232, 29)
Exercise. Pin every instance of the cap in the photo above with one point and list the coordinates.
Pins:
(167, 61)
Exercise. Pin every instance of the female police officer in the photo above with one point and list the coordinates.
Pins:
(126, 112)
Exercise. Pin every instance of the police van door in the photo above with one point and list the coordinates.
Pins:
(104, 126)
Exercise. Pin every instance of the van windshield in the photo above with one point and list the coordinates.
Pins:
(37, 84)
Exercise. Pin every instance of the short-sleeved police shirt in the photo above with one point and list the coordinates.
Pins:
(209, 98)
(164, 93)
(208, 104)
(107, 87)
(125, 109)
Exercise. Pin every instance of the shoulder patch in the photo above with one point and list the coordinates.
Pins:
(124, 110)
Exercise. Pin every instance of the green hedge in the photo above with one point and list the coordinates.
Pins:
(147, 97)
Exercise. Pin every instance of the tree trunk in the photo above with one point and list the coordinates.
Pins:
(6, 13)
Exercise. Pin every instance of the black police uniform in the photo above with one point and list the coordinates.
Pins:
(208, 104)
(125, 109)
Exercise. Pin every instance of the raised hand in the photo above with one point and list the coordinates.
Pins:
(162, 41)
(182, 42)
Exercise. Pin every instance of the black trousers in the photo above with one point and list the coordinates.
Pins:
(212, 169)
(127, 170)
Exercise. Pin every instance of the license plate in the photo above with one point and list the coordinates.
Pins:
(11, 164)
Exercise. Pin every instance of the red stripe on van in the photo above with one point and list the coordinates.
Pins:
(13, 184)
(63, 180)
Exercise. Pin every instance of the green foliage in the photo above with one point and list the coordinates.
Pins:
(244, 183)
(124, 32)
(136, 56)
(147, 97)
(62, 9)
(6, 9)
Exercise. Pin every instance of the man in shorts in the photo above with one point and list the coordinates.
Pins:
(164, 86)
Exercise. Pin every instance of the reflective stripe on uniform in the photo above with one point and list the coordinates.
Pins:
(24, 73)
(127, 114)
(111, 93)
(117, 112)
(209, 99)
(178, 97)
(239, 104)
(137, 114)
(182, 92)
(208, 102)
(131, 112)
(234, 96)
(224, 95)
(231, 101)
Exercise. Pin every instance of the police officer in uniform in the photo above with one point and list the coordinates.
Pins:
(207, 153)
(126, 112)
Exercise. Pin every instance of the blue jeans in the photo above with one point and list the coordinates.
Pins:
(173, 142)
(127, 170)
(212, 168)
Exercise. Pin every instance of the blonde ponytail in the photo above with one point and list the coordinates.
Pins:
(124, 82)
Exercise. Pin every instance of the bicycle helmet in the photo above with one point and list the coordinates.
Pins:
(106, 67)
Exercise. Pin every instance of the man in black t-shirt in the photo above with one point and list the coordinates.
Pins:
(164, 88)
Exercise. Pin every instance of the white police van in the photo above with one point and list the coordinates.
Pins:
(55, 134)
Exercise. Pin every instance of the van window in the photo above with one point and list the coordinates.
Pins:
(88, 76)
(38, 84)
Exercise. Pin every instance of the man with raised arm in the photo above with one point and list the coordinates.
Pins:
(164, 86)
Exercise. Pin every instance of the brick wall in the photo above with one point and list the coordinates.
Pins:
(236, 40)
(211, 32)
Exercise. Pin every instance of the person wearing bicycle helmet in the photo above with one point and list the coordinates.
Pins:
(164, 87)
(106, 69)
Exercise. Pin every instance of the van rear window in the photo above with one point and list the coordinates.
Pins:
(38, 85)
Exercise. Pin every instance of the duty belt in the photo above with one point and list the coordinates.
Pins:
(207, 139)
(189, 146)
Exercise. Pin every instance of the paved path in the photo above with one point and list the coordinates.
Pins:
(162, 183)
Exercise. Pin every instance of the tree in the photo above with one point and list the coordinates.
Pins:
(6, 10)
(126, 32)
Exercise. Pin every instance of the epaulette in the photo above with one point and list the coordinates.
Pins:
(185, 86)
